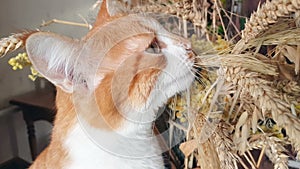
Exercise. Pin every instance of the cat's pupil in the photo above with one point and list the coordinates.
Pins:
(153, 47)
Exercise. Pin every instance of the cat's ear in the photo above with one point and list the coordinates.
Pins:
(108, 9)
(52, 56)
(103, 14)
(116, 7)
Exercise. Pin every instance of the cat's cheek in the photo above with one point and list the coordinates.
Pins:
(141, 86)
(178, 74)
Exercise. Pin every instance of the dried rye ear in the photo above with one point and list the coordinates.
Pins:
(13, 42)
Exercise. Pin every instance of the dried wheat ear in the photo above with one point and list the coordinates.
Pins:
(12, 43)
(268, 14)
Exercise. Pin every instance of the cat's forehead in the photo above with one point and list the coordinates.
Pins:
(125, 26)
(101, 39)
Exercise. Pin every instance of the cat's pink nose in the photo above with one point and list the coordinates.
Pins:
(191, 55)
(188, 47)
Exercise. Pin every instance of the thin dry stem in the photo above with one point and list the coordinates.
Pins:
(261, 156)
(47, 23)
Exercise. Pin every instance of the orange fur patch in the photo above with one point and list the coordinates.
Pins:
(109, 112)
(142, 85)
(131, 84)
(55, 155)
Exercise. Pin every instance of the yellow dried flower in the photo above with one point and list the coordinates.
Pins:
(34, 74)
(200, 45)
(221, 44)
(20, 61)
(182, 120)
(31, 77)
(179, 114)
(33, 71)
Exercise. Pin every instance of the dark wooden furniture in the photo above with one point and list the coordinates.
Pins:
(35, 105)
(15, 163)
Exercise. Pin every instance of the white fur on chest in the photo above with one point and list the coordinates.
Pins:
(87, 152)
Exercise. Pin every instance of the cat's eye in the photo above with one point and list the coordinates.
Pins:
(154, 47)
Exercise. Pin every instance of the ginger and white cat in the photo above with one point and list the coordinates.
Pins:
(110, 85)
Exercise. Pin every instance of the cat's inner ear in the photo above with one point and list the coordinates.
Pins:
(108, 9)
(53, 56)
(116, 7)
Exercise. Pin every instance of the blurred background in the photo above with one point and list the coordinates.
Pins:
(16, 16)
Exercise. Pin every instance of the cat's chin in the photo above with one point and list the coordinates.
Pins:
(186, 81)
(182, 82)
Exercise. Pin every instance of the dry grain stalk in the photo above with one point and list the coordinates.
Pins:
(272, 147)
(207, 153)
(12, 43)
(285, 35)
(283, 32)
(259, 90)
(249, 92)
(265, 16)
(225, 147)
(195, 11)
(268, 14)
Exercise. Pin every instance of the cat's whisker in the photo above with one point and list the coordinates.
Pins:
(193, 72)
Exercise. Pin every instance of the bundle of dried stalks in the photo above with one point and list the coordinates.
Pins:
(251, 83)
(194, 11)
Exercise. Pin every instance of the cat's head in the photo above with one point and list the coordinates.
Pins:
(127, 62)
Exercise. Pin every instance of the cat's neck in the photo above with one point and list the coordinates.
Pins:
(65, 117)
(78, 140)
(71, 112)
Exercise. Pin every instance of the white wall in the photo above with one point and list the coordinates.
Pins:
(18, 15)
(15, 16)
